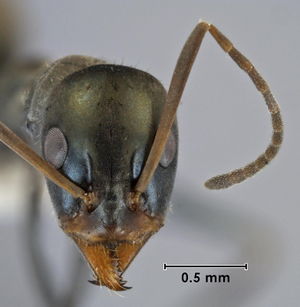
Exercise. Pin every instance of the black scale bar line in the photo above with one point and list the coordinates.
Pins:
(244, 266)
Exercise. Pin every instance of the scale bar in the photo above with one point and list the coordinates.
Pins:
(244, 266)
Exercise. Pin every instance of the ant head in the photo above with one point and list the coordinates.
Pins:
(97, 130)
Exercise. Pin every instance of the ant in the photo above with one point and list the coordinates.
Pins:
(108, 140)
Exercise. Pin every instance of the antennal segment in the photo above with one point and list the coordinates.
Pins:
(179, 78)
(226, 180)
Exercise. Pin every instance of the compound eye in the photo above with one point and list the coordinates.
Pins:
(169, 152)
(55, 147)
